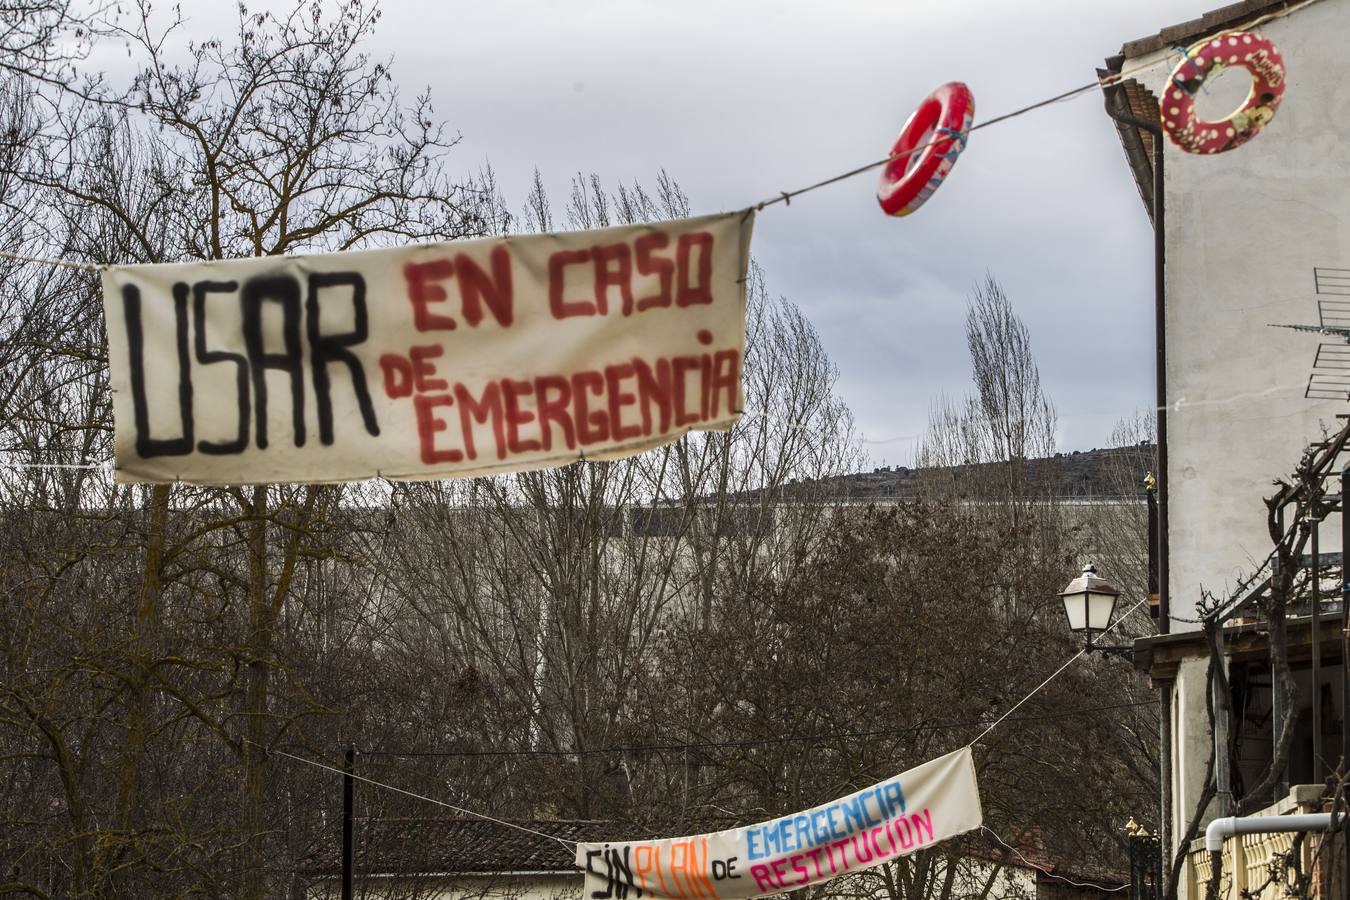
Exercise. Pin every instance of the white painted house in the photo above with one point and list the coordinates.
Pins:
(1255, 237)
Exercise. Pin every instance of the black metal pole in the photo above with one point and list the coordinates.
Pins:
(1159, 539)
(1315, 575)
(348, 796)
(1160, 373)
(1345, 659)
(1159, 336)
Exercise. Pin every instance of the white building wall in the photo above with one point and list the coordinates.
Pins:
(1244, 231)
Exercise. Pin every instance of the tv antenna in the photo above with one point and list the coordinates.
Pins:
(1330, 377)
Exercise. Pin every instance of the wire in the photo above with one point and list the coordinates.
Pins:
(1047, 872)
(718, 745)
(1053, 675)
(785, 197)
(390, 787)
(41, 260)
(106, 464)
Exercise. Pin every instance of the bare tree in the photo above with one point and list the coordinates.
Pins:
(287, 138)
(1008, 419)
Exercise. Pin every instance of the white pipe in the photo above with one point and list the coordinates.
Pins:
(1231, 825)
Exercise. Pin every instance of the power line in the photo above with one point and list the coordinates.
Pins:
(720, 745)
(390, 787)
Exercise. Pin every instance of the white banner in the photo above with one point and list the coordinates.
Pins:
(434, 361)
(916, 809)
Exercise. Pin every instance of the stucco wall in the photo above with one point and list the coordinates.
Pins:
(1244, 231)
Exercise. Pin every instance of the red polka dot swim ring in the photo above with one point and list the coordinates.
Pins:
(907, 182)
(1203, 61)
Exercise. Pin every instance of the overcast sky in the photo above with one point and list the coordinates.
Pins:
(741, 99)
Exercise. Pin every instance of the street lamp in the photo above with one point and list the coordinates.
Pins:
(1089, 601)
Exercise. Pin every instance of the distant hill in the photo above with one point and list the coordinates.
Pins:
(1116, 472)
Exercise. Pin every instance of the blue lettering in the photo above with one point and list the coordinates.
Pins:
(853, 814)
(834, 828)
(803, 824)
(895, 797)
(785, 835)
(863, 803)
(819, 827)
(772, 845)
(751, 850)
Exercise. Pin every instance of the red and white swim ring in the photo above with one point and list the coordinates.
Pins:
(1206, 59)
(907, 182)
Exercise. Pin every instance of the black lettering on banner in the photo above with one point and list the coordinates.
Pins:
(332, 348)
(147, 446)
(284, 290)
(618, 873)
(723, 869)
(209, 357)
(609, 881)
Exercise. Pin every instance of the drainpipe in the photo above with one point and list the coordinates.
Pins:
(1232, 825)
(1158, 539)
(1159, 341)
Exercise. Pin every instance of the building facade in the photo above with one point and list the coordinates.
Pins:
(1255, 237)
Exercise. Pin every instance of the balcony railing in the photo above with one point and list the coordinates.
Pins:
(1248, 858)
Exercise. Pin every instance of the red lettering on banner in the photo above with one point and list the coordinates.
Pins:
(592, 427)
(764, 879)
(614, 377)
(653, 387)
(922, 821)
(428, 424)
(688, 294)
(476, 288)
(481, 410)
(423, 291)
(872, 835)
(705, 385)
(613, 268)
(726, 376)
(423, 370)
(557, 266)
(682, 365)
(515, 416)
(659, 266)
(843, 857)
(398, 375)
(554, 410)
